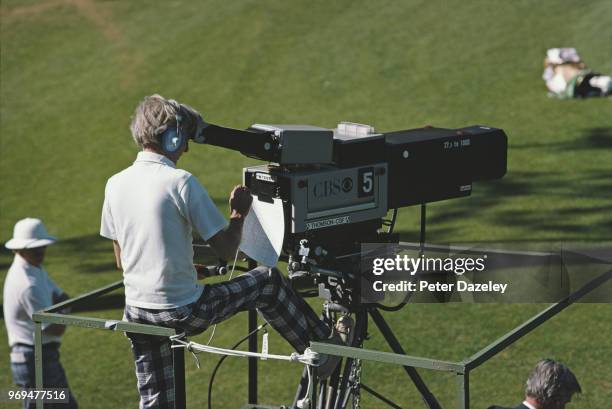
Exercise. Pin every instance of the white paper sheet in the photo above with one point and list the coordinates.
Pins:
(263, 232)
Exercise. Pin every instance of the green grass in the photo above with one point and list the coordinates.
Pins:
(72, 73)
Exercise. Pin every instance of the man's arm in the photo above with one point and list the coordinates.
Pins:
(117, 251)
(55, 329)
(225, 243)
(33, 299)
(61, 297)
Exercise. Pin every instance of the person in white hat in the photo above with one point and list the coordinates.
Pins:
(27, 289)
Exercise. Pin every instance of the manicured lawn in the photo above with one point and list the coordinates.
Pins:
(72, 73)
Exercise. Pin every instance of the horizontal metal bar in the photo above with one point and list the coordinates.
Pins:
(503, 342)
(92, 294)
(386, 357)
(99, 323)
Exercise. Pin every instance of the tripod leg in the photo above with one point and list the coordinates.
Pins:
(322, 394)
(379, 396)
(348, 395)
(332, 388)
(386, 331)
(343, 388)
(315, 382)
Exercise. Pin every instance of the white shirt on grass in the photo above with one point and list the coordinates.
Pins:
(151, 209)
(27, 289)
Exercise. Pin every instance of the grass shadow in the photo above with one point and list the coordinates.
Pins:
(591, 139)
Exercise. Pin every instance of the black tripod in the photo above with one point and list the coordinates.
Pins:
(337, 391)
(345, 384)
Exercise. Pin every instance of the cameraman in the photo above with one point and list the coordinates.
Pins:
(150, 210)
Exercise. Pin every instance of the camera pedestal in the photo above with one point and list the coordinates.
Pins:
(336, 392)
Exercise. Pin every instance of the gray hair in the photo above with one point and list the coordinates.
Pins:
(551, 382)
(154, 115)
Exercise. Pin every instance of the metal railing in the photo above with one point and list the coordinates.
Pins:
(51, 315)
(462, 369)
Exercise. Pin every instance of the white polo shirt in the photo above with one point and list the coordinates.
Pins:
(27, 289)
(150, 209)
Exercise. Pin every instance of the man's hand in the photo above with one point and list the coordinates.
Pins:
(61, 298)
(202, 271)
(240, 201)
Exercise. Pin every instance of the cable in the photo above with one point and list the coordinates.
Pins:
(212, 334)
(392, 223)
(304, 403)
(309, 357)
(387, 308)
(214, 372)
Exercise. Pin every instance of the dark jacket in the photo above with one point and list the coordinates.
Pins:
(521, 406)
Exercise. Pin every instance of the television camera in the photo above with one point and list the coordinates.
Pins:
(338, 185)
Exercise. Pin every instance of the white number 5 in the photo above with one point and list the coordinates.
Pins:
(367, 182)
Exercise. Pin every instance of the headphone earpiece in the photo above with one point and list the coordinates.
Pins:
(172, 139)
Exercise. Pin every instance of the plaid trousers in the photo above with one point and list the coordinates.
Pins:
(263, 288)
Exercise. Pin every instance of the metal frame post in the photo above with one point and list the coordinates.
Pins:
(463, 390)
(49, 315)
(178, 359)
(252, 365)
(38, 360)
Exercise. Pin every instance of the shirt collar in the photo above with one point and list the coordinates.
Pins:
(529, 405)
(155, 158)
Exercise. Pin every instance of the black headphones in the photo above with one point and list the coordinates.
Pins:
(172, 139)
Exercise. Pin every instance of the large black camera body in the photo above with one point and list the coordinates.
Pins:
(339, 178)
(337, 185)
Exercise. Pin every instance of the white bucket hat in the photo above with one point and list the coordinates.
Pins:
(29, 233)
